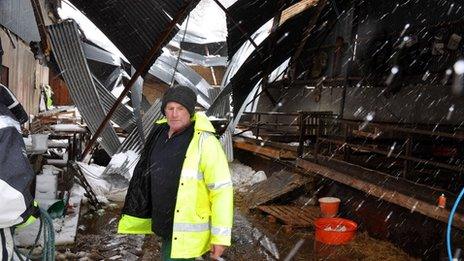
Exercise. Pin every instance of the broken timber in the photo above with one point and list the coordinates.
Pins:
(293, 215)
(277, 185)
(271, 152)
(392, 196)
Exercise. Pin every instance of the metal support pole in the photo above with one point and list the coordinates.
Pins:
(143, 68)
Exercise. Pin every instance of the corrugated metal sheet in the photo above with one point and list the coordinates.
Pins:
(206, 61)
(122, 116)
(163, 69)
(69, 54)
(223, 107)
(132, 142)
(18, 17)
(100, 55)
(252, 15)
(227, 145)
(288, 36)
(133, 26)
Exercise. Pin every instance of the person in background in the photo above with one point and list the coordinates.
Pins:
(181, 188)
(17, 206)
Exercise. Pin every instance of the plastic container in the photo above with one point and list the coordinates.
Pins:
(335, 231)
(329, 206)
(442, 201)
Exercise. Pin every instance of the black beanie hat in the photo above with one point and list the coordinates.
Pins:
(180, 94)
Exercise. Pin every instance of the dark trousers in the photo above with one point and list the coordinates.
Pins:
(166, 251)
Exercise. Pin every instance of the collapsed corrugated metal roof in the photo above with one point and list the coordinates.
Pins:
(245, 51)
(133, 141)
(92, 52)
(203, 60)
(18, 16)
(287, 37)
(133, 26)
(206, 24)
(166, 65)
(69, 54)
(122, 116)
(251, 15)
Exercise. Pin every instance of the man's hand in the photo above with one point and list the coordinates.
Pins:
(216, 251)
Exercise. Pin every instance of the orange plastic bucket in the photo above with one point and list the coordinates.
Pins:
(329, 206)
(335, 231)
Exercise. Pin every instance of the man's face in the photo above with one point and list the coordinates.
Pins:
(177, 115)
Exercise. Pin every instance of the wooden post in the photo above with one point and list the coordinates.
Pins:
(346, 149)
(257, 127)
(302, 130)
(407, 165)
(318, 136)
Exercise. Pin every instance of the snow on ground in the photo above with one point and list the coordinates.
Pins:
(65, 227)
(243, 177)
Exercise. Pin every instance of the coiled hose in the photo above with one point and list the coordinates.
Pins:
(45, 228)
(450, 222)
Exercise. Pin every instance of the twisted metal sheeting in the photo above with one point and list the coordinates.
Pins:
(227, 145)
(132, 142)
(226, 137)
(69, 54)
(166, 65)
(122, 116)
(223, 106)
(133, 26)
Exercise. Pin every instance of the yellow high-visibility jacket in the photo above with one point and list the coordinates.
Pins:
(204, 208)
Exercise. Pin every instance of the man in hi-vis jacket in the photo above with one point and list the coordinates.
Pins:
(17, 206)
(181, 188)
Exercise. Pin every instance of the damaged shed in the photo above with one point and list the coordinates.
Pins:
(350, 105)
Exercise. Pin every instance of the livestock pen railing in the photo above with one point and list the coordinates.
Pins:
(284, 127)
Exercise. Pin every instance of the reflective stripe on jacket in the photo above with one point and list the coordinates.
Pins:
(204, 206)
(16, 174)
